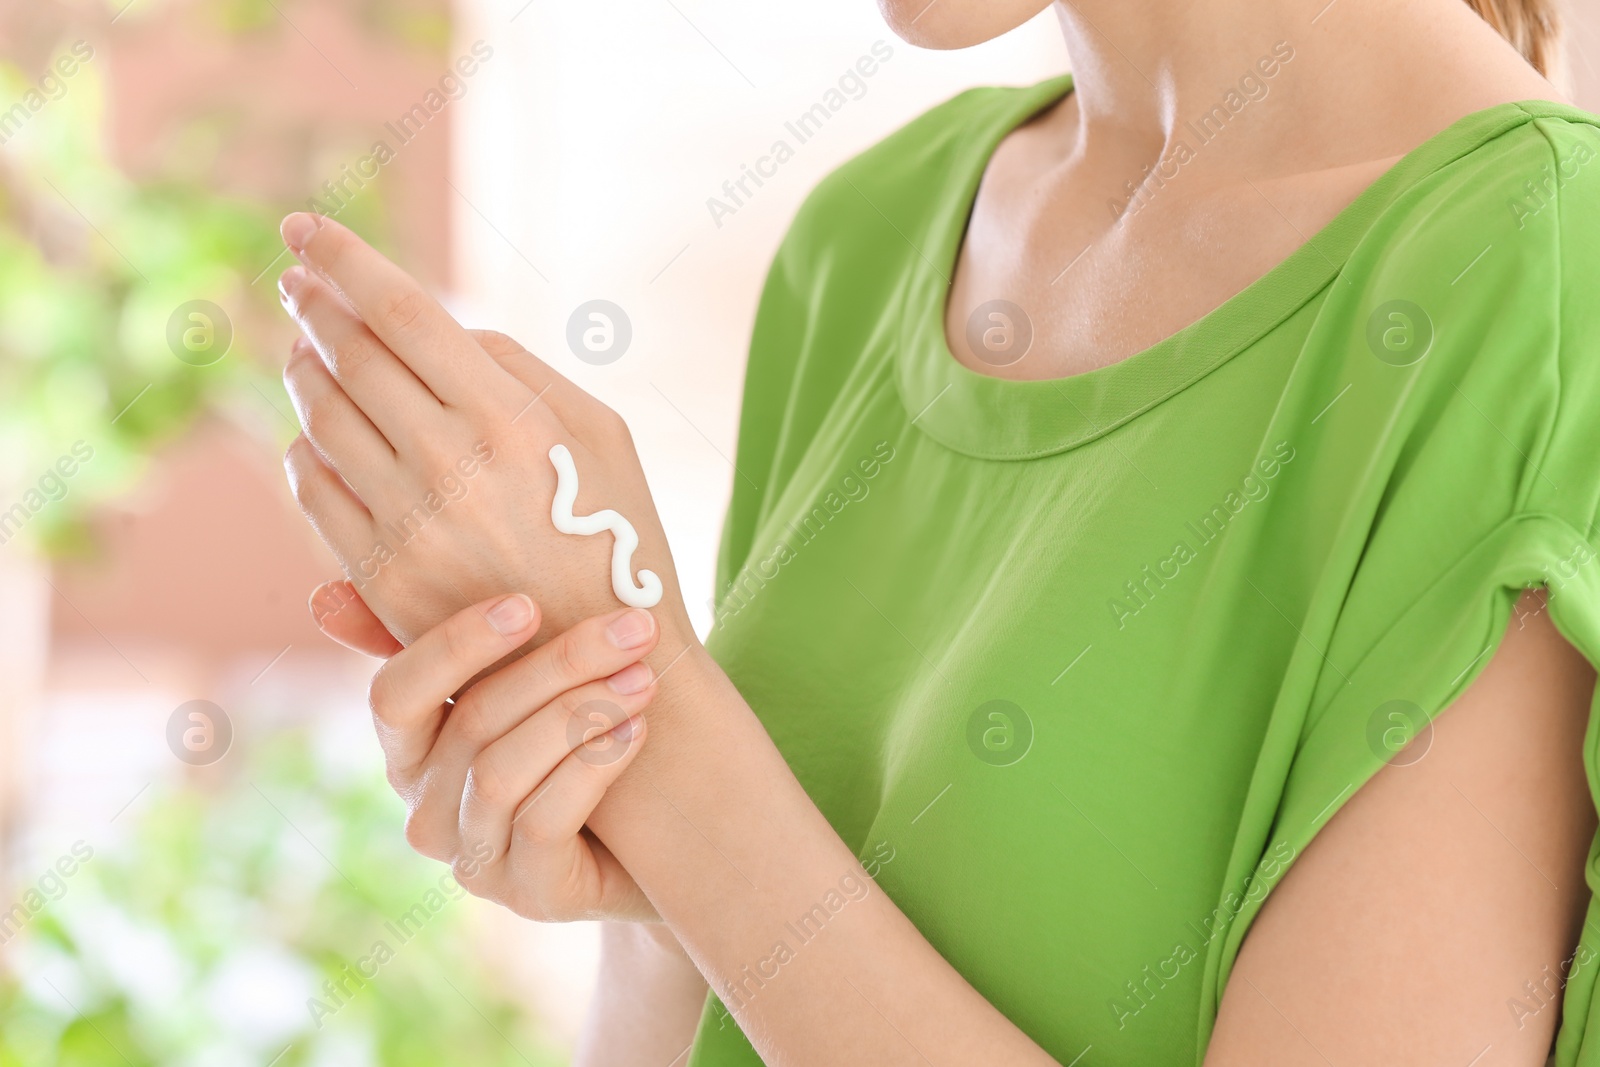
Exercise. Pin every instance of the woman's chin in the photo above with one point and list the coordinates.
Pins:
(947, 24)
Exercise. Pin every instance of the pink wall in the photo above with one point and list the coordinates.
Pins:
(272, 112)
(209, 560)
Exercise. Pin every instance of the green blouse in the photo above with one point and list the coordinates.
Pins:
(1080, 666)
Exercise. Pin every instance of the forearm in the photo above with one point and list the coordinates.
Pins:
(733, 854)
(710, 822)
(648, 1000)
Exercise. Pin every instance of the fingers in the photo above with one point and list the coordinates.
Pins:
(544, 384)
(341, 614)
(383, 387)
(341, 432)
(593, 649)
(337, 514)
(409, 691)
(544, 778)
(399, 311)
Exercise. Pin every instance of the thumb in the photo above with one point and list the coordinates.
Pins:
(342, 615)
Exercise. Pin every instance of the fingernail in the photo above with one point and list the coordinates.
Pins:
(634, 678)
(631, 629)
(298, 229)
(512, 615)
(627, 728)
(289, 281)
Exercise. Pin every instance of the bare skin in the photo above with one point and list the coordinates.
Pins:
(1406, 925)
(649, 997)
(1441, 888)
(1099, 290)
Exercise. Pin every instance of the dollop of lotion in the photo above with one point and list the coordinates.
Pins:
(647, 594)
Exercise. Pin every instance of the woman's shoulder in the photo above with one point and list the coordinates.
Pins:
(1525, 168)
(916, 171)
(1498, 215)
(957, 126)
(1476, 284)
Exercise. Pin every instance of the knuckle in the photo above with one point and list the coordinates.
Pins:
(353, 353)
(311, 304)
(534, 831)
(479, 857)
(567, 897)
(549, 895)
(486, 779)
(439, 453)
(304, 494)
(381, 694)
(400, 311)
(573, 662)
(416, 835)
(321, 417)
(592, 748)
(535, 907)
(615, 424)
(587, 718)
(587, 767)
(298, 364)
(597, 772)
(304, 472)
(611, 436)
(472, 719)
(423, 836)
(462, 641)
(398, 777)
(468, 873)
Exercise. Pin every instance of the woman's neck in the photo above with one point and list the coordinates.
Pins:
(1147, 70)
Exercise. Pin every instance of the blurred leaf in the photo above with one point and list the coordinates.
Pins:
(220, 893)
(93, 267)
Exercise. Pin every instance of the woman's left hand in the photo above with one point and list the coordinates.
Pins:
(499, 782)
(424, 463)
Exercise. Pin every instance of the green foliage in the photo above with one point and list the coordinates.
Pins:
(205, 936)
(92, 268)
(420, 24)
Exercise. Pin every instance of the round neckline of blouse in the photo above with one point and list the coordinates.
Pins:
(987, 417)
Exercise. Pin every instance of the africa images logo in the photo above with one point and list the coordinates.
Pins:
(851, 85)
(1541, 193)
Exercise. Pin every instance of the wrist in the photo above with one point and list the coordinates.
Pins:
(696, 724)
(659, 937)
(689, 682)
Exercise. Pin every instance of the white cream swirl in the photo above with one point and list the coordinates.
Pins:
(647, 594)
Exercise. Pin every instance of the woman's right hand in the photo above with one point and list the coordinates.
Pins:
(428, 462)
(499, 783)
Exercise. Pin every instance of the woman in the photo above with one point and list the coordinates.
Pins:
(1132, 470)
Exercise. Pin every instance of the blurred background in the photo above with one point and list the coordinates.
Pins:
(200, 862)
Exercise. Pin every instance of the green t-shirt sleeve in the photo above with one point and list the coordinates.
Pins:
(1481, 413)
(1570, 486)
